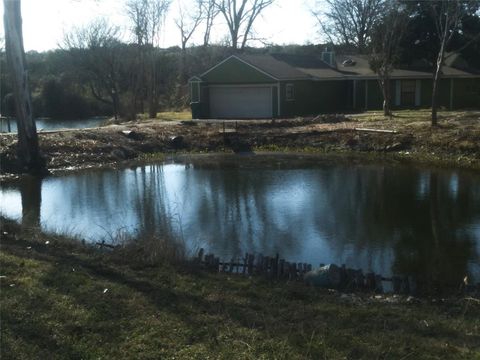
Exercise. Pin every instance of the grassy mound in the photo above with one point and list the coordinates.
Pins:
(63, 300)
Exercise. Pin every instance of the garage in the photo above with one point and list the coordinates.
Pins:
(241, 102)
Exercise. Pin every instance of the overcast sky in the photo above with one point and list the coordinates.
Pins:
(45, 21)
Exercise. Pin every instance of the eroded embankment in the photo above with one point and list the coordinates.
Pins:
(455, 142)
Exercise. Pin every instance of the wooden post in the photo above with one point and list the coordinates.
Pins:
(378, 284)
(251, 259)
(266, 264)
(370, 281)
(259, 264)
(245, 261)
(343, 275)
(281, 271)
(359, 279)
(275, 267)
(293, 271)
(396, 283)
(200, 255)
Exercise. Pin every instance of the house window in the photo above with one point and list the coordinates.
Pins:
(290, 92)
(408, 92)
(195, 92)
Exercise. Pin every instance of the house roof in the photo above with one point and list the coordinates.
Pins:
(362, 68)
(293, 67)
(276, 66)
(309, 67)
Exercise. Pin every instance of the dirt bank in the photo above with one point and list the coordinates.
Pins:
(456, 141)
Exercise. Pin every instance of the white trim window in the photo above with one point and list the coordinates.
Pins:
(290, 92)
(194, 92)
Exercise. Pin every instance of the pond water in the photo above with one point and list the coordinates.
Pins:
(389, 219)
(54, 124)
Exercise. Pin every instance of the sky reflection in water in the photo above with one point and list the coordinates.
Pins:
(390, 219)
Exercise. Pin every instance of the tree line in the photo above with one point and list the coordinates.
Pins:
(95, 72)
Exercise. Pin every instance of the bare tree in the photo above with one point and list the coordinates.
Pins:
(447, 15)
(210, 11)
(147, 17)
(30, 159)
(386, 37)
(240, 16)
(95, 49)
(187, 23)
(349, 22)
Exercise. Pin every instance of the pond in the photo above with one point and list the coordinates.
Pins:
(391, 219)
(54, 124)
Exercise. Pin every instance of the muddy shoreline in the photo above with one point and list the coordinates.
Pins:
(455, 143)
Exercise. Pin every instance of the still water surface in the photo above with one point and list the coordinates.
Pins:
(54, 124)
(390, 219)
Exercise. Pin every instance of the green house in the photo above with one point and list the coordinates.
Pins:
(285, 85)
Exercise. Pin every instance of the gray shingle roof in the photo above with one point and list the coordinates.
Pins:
(278, 68)
(362, 68)
(302, 67)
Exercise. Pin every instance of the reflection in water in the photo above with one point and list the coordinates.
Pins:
(387, 219)
(54, 124)
(31, 193)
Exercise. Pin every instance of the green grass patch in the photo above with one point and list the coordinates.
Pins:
(175, 115)
(63, 300)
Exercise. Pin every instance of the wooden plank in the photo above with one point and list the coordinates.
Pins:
(376, 130)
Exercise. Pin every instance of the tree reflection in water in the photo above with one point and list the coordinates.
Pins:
(390, 219)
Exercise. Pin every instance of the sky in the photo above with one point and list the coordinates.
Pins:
(46, 21)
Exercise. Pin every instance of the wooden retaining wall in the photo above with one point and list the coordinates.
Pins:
(276, 268)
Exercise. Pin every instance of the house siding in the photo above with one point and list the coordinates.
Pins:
(313, 97)
(201, 110)
(466, 93)
(326, 96)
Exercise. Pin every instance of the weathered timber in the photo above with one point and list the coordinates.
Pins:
(376, 130)
(329, 276)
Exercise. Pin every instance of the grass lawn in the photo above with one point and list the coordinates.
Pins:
(175, 115)
(60, 300)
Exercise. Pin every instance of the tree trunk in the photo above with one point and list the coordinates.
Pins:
(384, 82)
(183, 62)
(31, 194)
(152, 88)
(29, 157)
(387, 111)
(436, 82)
(115, 102)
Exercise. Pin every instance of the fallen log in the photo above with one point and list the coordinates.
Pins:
(376, 130)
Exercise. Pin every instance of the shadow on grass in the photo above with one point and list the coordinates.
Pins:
(66, 313)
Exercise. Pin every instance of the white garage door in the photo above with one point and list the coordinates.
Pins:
(240, 102)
